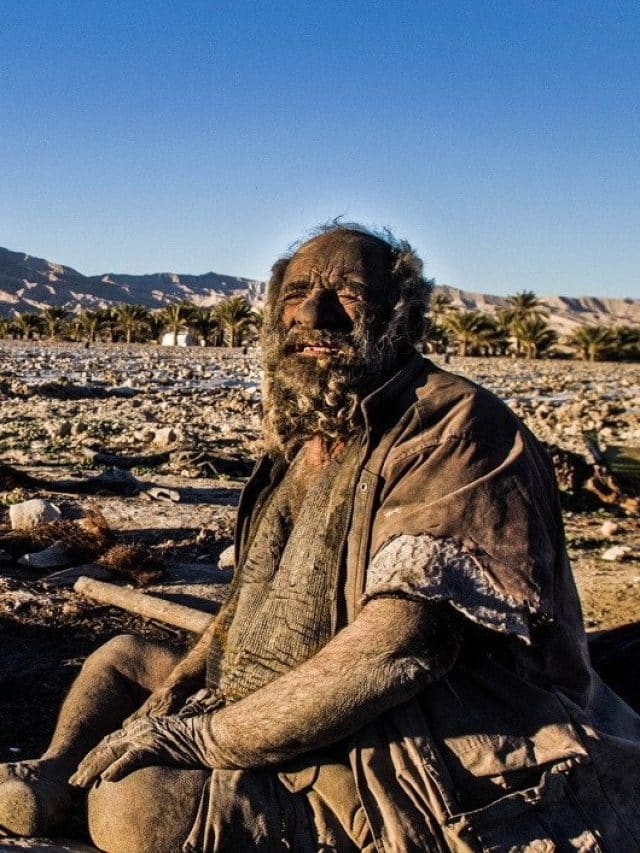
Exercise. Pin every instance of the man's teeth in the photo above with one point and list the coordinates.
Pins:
(318, 349)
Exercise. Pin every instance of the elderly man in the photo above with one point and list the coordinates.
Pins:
(401, 663)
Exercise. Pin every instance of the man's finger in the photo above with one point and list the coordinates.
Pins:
(93, 764)
(133, 759)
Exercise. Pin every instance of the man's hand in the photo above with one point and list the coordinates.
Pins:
(166, 741)
(161, 703)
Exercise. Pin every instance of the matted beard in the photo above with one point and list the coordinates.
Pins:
(304, 396)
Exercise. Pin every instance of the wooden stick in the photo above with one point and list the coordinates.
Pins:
(142, 604)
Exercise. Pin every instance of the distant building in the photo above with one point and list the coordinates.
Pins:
(182, 339)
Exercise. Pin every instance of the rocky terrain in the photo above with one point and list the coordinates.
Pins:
(28, 283)
(182, 428)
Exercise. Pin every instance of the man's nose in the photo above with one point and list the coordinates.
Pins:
(321, 310)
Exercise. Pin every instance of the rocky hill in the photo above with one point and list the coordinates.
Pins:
(28, 284)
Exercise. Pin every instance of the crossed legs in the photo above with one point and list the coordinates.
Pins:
(113, 682)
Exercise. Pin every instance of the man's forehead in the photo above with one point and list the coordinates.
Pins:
(340, 251)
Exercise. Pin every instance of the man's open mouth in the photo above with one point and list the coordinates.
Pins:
(317, 350)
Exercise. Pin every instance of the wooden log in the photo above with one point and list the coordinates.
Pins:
(142, 604)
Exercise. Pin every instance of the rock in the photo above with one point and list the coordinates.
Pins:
(32, 513)
(79, 427)
(50, 558)
(226, 560)
(164, 437)
(609, 528)
(616, 554)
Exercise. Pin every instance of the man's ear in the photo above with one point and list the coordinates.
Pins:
(277, 274)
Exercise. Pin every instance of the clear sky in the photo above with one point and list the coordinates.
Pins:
(501, 138)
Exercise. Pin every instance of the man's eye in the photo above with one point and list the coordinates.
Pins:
(295, 294)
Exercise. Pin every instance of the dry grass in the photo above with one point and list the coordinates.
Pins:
(134, 561)
(83, 539)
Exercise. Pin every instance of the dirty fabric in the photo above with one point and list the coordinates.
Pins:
(442, 570)
(520, 746)
(286, 604)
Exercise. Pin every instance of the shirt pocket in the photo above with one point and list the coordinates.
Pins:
(544, 818)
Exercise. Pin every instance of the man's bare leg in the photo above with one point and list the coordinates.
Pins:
(112, 684)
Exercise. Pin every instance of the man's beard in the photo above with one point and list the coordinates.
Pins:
(307, 395)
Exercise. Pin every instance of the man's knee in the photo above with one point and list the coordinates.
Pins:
(117, 652)
(149, 811)
(141, 661)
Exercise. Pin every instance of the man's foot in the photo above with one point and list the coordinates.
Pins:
(34, 796)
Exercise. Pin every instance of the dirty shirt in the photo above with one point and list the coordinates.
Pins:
(520, 746)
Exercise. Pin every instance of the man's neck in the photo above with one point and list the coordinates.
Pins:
(319, 451)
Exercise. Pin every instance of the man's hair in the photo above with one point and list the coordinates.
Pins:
(409, 290)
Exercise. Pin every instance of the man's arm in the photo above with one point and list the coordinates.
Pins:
(392, 650)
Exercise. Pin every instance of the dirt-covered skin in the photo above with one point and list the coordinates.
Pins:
(45, 633)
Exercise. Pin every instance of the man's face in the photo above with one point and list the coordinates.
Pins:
(333, 298)
(325, 341)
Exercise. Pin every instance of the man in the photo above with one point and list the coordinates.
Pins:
(401, 663)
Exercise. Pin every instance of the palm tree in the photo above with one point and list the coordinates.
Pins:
(235, 317)
(435, 336)
(155, 325)
(521, 306)
(439, 306)
(206, 323)
(131, 320)
(89, 324)
(27, 324)
(533, 336)
(53, 319)
(627, 341)
(470, 329)
(593, 342)
(525, 304)
(177, 317)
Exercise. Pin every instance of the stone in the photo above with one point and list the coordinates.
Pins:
(32, 513)
(226, 560)
(616, 554)
(164, 437)
(609, 528)
(52, 557)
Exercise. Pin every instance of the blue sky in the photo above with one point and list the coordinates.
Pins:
(501, 138)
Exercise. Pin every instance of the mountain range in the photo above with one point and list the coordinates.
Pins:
(30, 284)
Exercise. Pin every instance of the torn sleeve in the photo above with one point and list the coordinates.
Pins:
(441, 570)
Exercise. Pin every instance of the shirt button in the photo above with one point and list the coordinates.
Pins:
(363, 487)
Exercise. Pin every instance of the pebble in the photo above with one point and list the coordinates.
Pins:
(32, 513)
(164, 437)
(616, 554)
(609, 528)
(226, 560)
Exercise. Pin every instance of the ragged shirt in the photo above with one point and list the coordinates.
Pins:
(520, 746)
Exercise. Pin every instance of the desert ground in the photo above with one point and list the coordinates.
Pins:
(193, 416)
